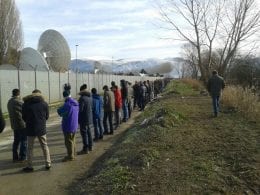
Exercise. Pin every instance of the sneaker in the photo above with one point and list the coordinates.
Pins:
(82, 152)
(21, 160)
(95, 139)
(101, 137)
(28, 169)
(111, 133)
(48, 167)
(66, 159)
(90, 149)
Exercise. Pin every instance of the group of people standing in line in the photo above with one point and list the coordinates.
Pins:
(28, 117)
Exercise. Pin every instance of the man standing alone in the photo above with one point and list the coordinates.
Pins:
(35, 113)
(17, 124)
(215, 85)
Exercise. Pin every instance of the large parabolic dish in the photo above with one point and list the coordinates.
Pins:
(31, 59)
(53, 46)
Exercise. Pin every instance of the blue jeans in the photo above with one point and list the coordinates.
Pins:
(86, 137)
(125, 109)
(215, 102)
(98, 130)
(19, 139)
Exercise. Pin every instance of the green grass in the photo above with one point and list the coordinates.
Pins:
(181, 149)
(180, 88)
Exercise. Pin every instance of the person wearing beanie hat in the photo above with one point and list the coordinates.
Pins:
(69, 113)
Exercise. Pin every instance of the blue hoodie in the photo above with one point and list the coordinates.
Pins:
(97, 105)
(69, 113)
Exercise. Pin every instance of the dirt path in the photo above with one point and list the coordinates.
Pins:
(56, 181)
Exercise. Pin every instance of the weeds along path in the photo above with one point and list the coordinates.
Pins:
(177, 147)
(59, 178)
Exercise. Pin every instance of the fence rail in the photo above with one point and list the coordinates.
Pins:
(51, 83)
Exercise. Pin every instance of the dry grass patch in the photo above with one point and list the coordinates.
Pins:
(195, 84)
(242, 100)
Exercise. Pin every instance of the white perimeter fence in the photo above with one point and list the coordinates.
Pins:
(51, 83)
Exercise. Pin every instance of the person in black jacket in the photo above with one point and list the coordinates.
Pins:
(215, 85)
(35, 112)
(85, 119)
(2, 121)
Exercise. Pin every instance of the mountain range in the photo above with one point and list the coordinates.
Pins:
(151, 66)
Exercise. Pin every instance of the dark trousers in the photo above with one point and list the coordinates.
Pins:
(117, 116)
(20, 139)
(129, 107)
(142, 102)
(135, 100)
(125, 109)
(108, 115)
(86, 137)
(98, 130)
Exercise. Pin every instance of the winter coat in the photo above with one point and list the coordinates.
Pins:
(97, 104)
(118, 98)
(35, 112)
(215, 85)
(85, 108)
(124, 89)
(136, 90)
(2, 121)
(14, 106)
(124, 92)
(69, 113)
(109, 101)
(143, 90)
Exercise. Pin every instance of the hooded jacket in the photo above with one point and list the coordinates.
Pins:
(85, 108)
(35, 112)
(69, 113)
(14, 106)
(97, 104)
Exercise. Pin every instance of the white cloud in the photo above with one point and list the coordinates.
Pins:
(100, 27)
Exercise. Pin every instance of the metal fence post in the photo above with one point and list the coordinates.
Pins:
(59, 87)
(18, 76)
(49, 86)
(35, 77)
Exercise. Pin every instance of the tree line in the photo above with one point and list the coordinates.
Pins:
(215, 33)
(11, 34)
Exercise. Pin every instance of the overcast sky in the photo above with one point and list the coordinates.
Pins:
(101, 28)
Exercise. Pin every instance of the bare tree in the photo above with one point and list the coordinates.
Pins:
(11, 36)
(211, 25)
(189, 55)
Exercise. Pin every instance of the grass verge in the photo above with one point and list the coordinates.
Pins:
(176, 147)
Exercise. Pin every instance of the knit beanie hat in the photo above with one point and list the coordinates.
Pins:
(66, 94)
